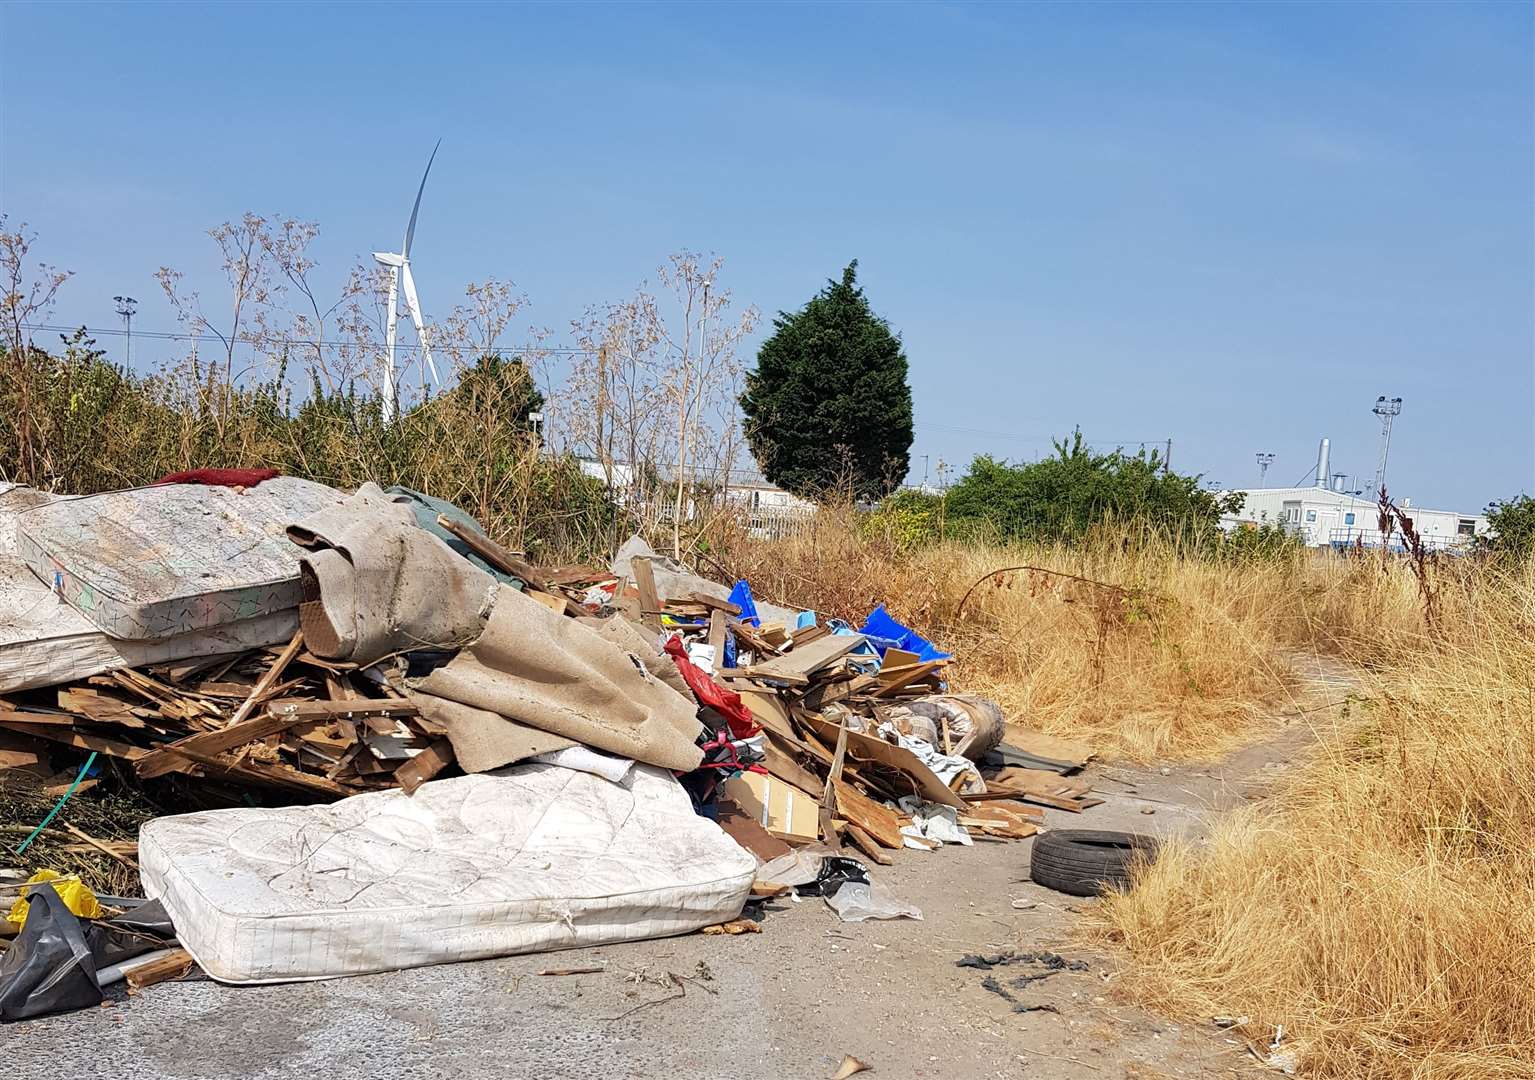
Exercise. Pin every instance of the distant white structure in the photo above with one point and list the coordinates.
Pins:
(1323, 516)
(400, 278)
(769, 510)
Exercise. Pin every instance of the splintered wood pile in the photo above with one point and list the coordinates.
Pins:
(282, 721)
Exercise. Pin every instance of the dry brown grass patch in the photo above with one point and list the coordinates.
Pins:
(1382, 905)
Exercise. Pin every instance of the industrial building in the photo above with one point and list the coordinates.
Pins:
(1323, 516)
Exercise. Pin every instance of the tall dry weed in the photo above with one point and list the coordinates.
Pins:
(1381, 906)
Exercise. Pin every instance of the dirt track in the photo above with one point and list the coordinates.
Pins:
(788, 1002)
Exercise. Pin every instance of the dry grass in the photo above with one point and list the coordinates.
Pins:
(1382, 905)
(1186, 657)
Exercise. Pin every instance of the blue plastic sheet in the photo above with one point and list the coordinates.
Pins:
(886, 633)
(741, 597)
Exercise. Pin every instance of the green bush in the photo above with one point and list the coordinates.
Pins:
(1076, 490)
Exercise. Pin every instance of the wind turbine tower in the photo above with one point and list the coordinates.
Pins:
(400, 278)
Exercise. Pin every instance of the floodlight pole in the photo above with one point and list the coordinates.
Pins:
(126, 305)
(1265, 459)
(1388, 409)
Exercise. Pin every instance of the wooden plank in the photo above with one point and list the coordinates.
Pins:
(554, 603)
(19, 759)
(807, 635)
(781, 763)
(868, 845)
(910, 675)
(101, 847)
(425, 765)
(828, 811)
(28, 716)
(650, 600)
(740, 827)
(573, 575)
(1048, 748)
(79, 740)
(880, 822)
(717, 637)
(494, 553)
(802, 663)
(714, 602)
(268, 679)
(895, 660)
(768, 710)
(177, 756)
(172, 965)
(260, 772)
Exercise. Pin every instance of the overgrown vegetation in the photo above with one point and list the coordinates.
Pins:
(1511, 528)
(72, 422)
(1382, 905)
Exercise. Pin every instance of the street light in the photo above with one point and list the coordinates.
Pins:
(1265, 459)
(1388, 409)
(126, 305)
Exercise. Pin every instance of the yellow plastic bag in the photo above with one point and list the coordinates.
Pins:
(76, 896)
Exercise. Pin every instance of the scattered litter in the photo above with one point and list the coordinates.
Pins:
(591, 969)
(849, 1066)
(733, 927)
(856, 901)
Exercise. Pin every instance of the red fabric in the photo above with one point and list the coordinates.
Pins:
(727, 703)
(219, 477)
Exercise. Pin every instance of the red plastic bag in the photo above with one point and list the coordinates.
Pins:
(247, 478)
(727, 703)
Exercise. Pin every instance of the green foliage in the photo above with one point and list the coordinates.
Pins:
(1065, 496)
(908, 519)
(1511, 528)
(828, 407)
(1264, 542)
(75, 423)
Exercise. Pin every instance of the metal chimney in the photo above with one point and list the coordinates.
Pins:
(1321, 463)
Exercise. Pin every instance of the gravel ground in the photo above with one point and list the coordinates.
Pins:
(788, 1002)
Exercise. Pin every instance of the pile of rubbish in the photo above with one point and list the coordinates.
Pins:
(371, 708)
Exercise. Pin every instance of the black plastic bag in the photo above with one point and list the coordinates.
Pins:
(836, 871)
(48, 968)
(141, 929)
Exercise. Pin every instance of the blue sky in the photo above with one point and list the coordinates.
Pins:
(1230, 225)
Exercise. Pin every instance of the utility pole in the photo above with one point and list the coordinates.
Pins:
(1265, 459)
(1167, 459)
(1388, 409)
(924, 472)
(126, 305)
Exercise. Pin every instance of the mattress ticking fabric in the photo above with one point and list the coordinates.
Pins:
(157, 562)
(531, 858)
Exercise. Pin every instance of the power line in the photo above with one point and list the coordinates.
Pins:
(164, 335)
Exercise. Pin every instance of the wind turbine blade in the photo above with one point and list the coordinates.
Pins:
(420, 320)
(410, 230)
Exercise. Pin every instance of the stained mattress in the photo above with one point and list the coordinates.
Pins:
(529, 858)
(155, 562)
(44, 641)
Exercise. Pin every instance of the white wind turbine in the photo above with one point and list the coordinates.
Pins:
(399, 274)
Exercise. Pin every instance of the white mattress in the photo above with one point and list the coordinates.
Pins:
(525, 859)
